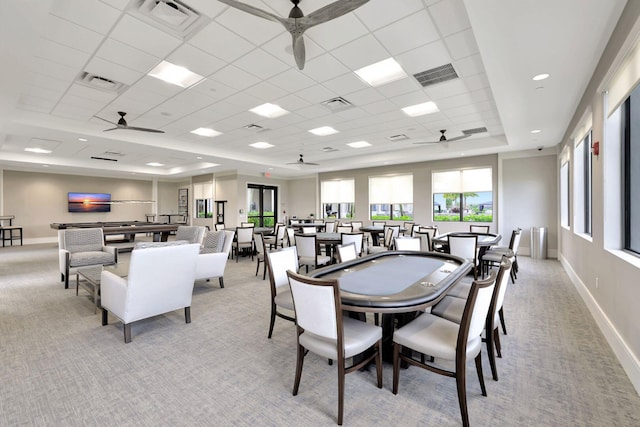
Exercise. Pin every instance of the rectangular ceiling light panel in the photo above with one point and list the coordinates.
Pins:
(381, 73)
(175, 74)
(421, 109)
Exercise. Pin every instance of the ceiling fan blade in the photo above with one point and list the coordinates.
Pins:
(427, 142)
(299, 51)
(330, 11)
(457, 138)
(107, 130)
(253, 10)
(108, 121)
(143, 129)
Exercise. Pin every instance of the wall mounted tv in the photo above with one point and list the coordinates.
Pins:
(89, 202)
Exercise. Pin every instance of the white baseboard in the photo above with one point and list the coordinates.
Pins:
(627, 359)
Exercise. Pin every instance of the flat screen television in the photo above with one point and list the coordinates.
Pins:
(89, 202)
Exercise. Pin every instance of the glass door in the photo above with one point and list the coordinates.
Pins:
(262, 203)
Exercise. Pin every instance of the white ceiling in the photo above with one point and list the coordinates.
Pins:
(495, 46)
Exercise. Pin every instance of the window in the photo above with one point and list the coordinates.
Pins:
(203, 195)
(463, 195)
(564, 194)
(338, 198)
(262, 201)
(391, 197)
(582, 185)
(631, 171)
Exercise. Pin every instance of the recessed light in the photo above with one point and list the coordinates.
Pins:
(536, 131)
(83, 139)
(37, 150)
(421, 109)
(175, 74)
(359, 144)
(45, 166)
(541, 76)
(208, 132)
(323, 131)
(199, 158)
(261, 144)
(268, 110)
(155, 164)
(381, 73)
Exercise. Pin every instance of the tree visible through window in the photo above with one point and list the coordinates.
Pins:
(463, 195)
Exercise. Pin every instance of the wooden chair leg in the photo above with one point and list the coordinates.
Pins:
(272, 321)
(496, 339)
(501, 314)
(461, 385)
(341, 375)
(396, 367)
(299, 363)
(491, 354)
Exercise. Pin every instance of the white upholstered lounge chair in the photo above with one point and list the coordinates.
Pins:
(82, 247)
(214, 254)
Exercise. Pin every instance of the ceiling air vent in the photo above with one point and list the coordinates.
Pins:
(174, 16)
(99, 82)
(436, 75)
(255, 128)
(337, 104)
(474, 131)
(400, 137)
(329, 149)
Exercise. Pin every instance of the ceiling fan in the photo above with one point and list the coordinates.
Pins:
(302, 162)
(443, 138)
(297, 23)
(122, 124)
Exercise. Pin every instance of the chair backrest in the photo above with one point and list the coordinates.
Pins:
(475, 312)
(355, 225)
(258, 239)
(290, 239)
(160, 279)
(279, 262)
(82, 239)
(217, 241)
(463, 246)
(356, 238)
(308, 230)
(295, 221)
(408, 244)
(317, 306)
(219, 227)
(280, 230)
(307, 245)
(245, 234)
(409, 226)
(247, 224)
(479, 228)
(378, 223)
(425, 240)
(347, 252)
(330, 226)
(502, 283)
(388, 237)
(190, 233)
(344, 229)
(515, 240)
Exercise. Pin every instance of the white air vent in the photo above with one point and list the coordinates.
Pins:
(400, 137)
(329, 149)
(100, 82)
(113, 154)
(337, 104)
(173, 16)
(436, 75)
(255, 128)
(474, 131)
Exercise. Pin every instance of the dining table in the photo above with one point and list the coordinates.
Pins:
(376, 232)
(396, 284)
(485, 240)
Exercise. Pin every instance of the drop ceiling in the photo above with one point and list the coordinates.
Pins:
(67, 62)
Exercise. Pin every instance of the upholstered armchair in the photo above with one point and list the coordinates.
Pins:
(160, 280)
(82, 247)
(213, 256)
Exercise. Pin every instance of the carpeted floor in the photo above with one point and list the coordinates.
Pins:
(59, 366)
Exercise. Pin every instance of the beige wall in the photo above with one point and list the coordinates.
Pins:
(38, 199)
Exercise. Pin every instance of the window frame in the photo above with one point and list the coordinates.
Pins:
(390, 205)
(460, 197)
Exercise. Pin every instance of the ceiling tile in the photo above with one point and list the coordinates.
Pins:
(324, 67)
(122, 54)
(345, 84)
(316, 94)
(221, 42)
(337, 32)
(399, 87)
(446, 89)
(207, 7)
(265, 91)
(234, 77)
(261, 64)
(40, 80)
(119, 4)
(157, 86)
(408, 33)
(145, 37)
(385, 12)
(424, 58)
(72, 35)
(361, 52)
(291, 80)
(365, 96)
(96, 95)
(111, 71)
(213, 88)
(92, 14)
(196, 60)
(478, 81)
(461, 44)
(450, 16)
(253, 28)
(469, 66)
(62, 54)
(54, 70)
(292, 103)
